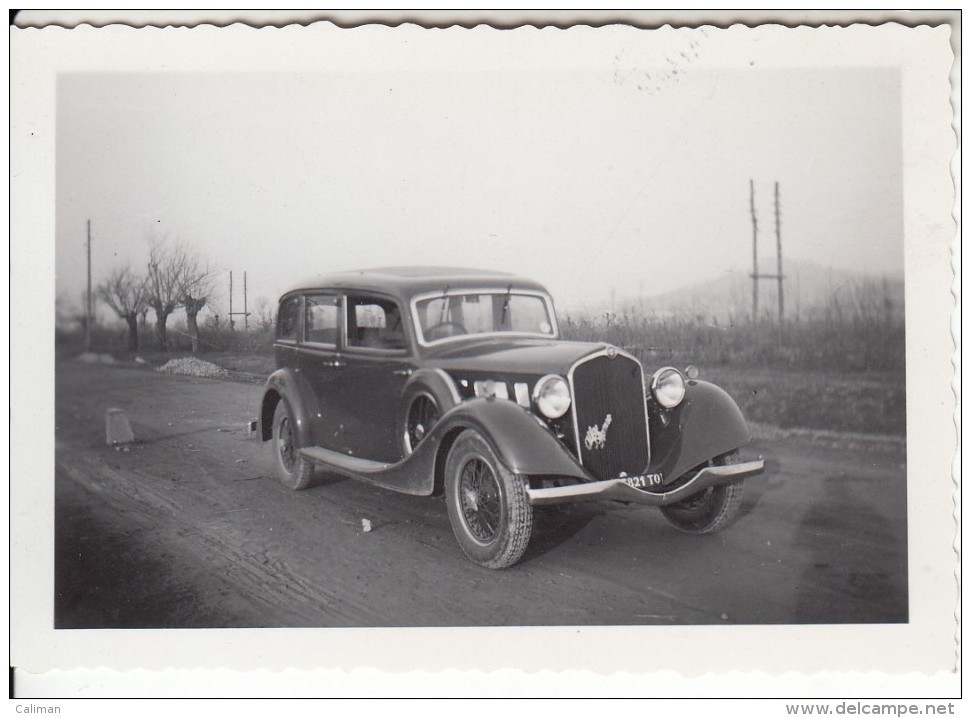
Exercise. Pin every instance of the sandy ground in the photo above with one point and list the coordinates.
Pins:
(189, 529)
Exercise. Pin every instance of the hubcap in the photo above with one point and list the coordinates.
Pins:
(481, 502)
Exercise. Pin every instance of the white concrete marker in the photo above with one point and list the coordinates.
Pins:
(117, 427)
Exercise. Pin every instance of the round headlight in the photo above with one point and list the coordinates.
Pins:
(552, 396)
(668, 387)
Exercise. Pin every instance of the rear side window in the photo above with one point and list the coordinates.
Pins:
(374, 323)
(320, 319)
(286, 323)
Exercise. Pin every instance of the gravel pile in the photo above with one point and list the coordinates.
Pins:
(190, 366)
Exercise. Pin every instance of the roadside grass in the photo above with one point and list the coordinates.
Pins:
(826, 401)
(841, 374)
(832, 374)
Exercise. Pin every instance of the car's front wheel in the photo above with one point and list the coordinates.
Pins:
(487, 504)
(710, 510)
(292, 469)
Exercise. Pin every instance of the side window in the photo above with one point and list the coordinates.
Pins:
(286, 323)
(321, 319)
(374, 323)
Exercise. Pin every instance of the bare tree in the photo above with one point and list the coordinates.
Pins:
(164, 292)
(264, 314)
(195, 289)
(68, 314)
(125, 292)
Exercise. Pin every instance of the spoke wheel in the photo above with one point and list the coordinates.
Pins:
(422, 416)
(711, 509)
(481, 500)
(488, 506)
(292, 469)
(288, 453)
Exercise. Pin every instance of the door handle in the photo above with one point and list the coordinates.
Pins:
(402, 372)
(336, 362)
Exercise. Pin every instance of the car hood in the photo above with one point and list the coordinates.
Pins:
(510, 356)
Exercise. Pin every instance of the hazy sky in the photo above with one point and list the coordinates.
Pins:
(629, 176)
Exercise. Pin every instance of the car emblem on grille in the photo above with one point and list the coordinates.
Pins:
(597, 436)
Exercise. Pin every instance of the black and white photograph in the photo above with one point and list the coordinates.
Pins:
(409, 328)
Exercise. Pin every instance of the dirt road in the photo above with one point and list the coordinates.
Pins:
(187, 528)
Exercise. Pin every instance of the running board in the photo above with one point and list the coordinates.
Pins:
(343, 462)
(409, 476)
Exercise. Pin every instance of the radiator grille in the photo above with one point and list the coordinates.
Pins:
(602, 387)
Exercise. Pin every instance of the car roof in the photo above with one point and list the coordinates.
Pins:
(406, 282)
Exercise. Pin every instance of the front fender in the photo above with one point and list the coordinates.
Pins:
(706, 424)
(438, 383)
(290, 385)
(524, 444)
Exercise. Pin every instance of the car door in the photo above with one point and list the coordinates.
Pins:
(378, 362)
(286, 346)
(320, 362)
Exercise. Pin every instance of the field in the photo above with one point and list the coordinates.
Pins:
(822, 374)
(839, 375)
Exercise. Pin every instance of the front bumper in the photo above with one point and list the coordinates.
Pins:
(619, 490)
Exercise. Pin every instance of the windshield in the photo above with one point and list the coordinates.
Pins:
(444, 316)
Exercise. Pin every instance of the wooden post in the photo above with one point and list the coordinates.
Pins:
(232, 323)
(755, 253)
(87, 302)
(245, 308)
(778, 249)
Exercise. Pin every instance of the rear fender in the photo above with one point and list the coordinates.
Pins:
(707, 423)
(286, 384)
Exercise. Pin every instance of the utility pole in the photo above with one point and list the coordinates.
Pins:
(778, 253)
(756, 276)
(87, 301)
(755, 253)
(245, 312)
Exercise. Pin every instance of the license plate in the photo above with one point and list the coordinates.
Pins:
(643, 481)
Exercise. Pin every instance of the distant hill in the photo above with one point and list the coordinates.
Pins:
(811, 291)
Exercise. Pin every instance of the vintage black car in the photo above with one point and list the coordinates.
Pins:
(434, 381)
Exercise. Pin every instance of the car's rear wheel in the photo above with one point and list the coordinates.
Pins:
(488, 507)
(710, 510)
(292, 469)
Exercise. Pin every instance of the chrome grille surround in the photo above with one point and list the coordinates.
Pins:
(611, 353)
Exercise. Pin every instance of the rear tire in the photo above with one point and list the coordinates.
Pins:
(292, 469)
(488, 506)
(710, 510)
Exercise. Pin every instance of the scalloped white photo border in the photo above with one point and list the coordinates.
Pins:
(577, 659)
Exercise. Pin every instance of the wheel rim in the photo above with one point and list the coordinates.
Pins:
(422, 416)
(695, 506)
(480, 500)
(288, 452)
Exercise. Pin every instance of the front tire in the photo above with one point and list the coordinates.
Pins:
(292, 470)
(488, 507)
(710, 510)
